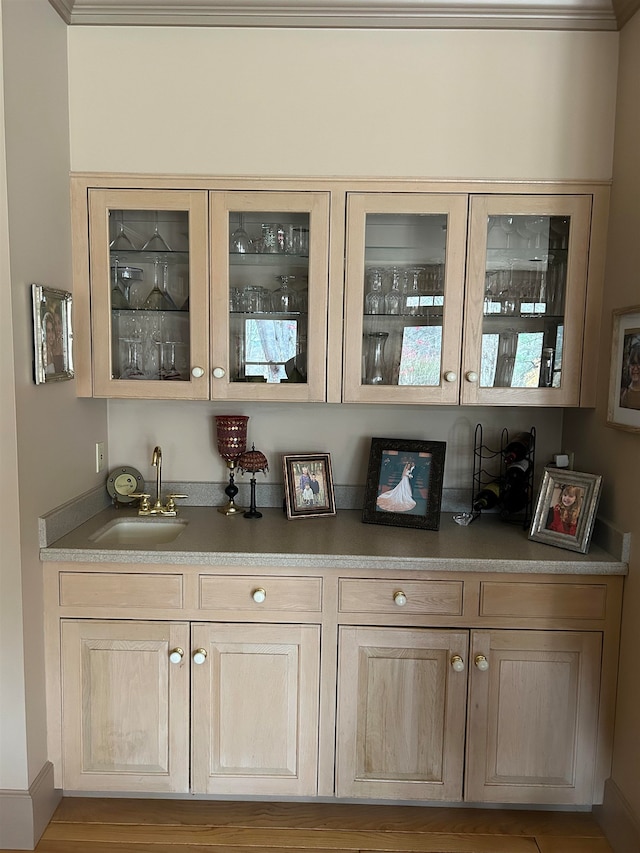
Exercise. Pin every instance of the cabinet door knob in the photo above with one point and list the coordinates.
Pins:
(472, 376)
(197, 372)
(400, 598)
(176, 655)
(199, 656)
(482, 663)
(219, 372)
(450, 376)
(457, 664)
(259, 595)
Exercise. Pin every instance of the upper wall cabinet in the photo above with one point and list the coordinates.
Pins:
(352, 291)
(513, 337)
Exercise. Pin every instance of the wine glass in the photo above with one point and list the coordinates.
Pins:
(159, 299)
(132, 368)
(240, 241)
(508, 225)
(156, 243)
(284, 298)
(119, 296)
(169, 371)
(539, 225)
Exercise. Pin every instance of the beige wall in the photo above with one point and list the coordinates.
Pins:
(46, 433)
(613, 452)
(483, 104)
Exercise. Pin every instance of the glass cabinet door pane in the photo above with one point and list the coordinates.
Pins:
(268, 296)
(149, 296)
(403, 298)
(524, 301)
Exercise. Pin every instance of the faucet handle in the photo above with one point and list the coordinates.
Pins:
(144, 505)
(171, 501)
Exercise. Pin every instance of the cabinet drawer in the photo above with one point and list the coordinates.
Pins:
(260, 593)
(543, 600)
(388, 596)
(105, 589)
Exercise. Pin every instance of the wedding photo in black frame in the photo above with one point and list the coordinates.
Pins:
(404, 483)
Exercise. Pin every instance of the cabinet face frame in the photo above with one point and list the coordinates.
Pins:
(195, 203)
(454, 206)
(316, 204)
(578, 207)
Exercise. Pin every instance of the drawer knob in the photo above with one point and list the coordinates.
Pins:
(200, 656)
(176, 655)
(197, 372)
(457, 664)
(450, 376)
(400, 598)
(472, 376)
(219, 372)
(259, 595)
(482, 663)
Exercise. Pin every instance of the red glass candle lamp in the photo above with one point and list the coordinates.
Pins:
(252, 461)
(231, 433)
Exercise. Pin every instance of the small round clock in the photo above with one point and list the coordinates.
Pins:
(123, 482)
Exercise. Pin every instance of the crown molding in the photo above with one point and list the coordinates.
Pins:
(387, 14)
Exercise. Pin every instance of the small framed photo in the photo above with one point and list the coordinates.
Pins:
(623, 409)
(566, 509)
(308, 485)
(52, 336)
(404, 483)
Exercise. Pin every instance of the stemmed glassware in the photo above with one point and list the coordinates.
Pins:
(508, 225)
(284, 298)
(156, 243)
(159, 299)
(119, 296)
(132, 368)
(121, 242)
(240, 241)
(169, 371)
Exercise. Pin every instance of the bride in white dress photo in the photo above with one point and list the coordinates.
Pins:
(400, 498)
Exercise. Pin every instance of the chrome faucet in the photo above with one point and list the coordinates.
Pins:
(158, 507)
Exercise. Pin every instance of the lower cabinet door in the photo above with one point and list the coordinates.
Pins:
(255, 695)
(401, 713)
(125, 707)
(533, 711)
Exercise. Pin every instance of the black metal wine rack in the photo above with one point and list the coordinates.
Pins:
(489, 466)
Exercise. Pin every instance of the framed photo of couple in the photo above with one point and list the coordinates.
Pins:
(308, 485)
(566, 509)
(404, 483)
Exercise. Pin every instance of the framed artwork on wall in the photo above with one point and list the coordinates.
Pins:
(52, 336)
(623, 410)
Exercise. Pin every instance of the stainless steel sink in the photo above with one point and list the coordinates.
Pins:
(141, 532)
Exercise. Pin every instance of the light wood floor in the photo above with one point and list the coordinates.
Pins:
(88, 825)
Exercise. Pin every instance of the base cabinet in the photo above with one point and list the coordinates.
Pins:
(140, 697)
(529, 727)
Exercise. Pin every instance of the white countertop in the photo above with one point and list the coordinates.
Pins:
(342, 542)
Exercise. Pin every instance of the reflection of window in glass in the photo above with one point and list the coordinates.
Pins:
(526, 370)
(269, 344)
(557, 363)
(420, 357)
(488, 360)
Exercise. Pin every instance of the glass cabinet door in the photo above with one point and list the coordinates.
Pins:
(149, 293)
(405, 270)
(526, 291)
(269, 267)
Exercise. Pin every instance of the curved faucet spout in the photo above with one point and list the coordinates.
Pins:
(156, 461)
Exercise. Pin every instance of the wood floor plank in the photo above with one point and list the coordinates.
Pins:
(265, 837)
(573, 845)
(325, 816)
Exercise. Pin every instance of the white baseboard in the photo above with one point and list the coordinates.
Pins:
(24, 815)
(618, 822)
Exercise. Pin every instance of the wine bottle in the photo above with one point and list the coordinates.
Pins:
(517, 472)
(514, 497)
(487, 497)
(518, 447)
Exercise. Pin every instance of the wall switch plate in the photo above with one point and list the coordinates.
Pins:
(100, 456)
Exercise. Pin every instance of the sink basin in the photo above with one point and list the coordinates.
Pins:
(139, 531)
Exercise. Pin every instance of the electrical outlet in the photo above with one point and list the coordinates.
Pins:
(100, 456)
